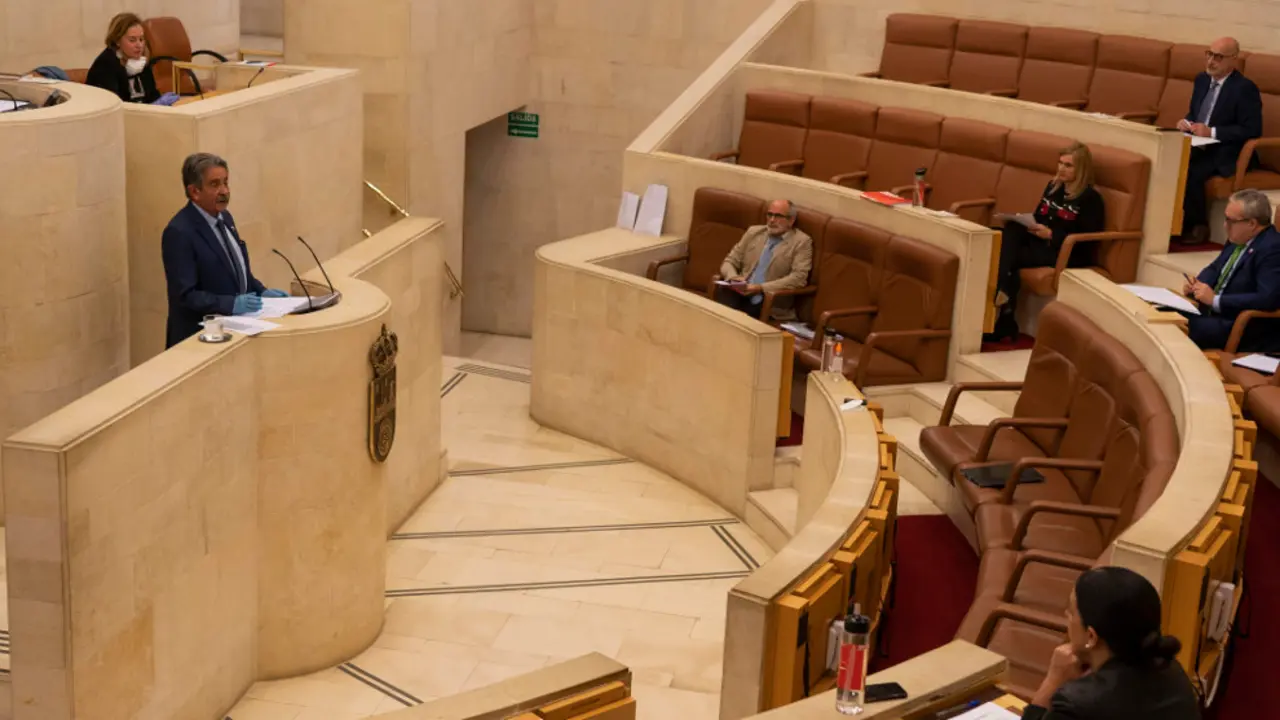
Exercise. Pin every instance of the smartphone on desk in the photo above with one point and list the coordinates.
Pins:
(882, 692)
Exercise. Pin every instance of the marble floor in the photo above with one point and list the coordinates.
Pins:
(500, 349)
(539, 547)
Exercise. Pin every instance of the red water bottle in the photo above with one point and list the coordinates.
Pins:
(917, 198)
(851, 680)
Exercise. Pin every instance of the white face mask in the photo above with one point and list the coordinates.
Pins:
(134, 66)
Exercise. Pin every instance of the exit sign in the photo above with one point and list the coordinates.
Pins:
(522, 124)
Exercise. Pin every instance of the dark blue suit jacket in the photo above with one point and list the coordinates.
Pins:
(1236, 118)
(199, 275)
(1255, 285)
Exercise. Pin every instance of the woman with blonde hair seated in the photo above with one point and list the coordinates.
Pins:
(1070, 204)
(122, 67)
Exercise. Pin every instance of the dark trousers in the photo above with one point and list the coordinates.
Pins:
(1201, 167)
(1020, 249)
(1211, 332)
(738, 301)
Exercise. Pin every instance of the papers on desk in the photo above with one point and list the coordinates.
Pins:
(1197, 141)
(246, 325)
(1023, 219)
(988, 711)
(1163, 297)
(799, 329)
(653, 210)
(11, 105)
(627, 210)
(279, 307)
(1260, 363)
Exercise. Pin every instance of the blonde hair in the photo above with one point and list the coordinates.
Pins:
(1083, 159)
(121, 25)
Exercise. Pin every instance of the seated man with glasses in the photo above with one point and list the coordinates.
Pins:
(1226, 106)
(770, 257)
(1244, 276)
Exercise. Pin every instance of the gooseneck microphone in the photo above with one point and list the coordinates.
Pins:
(255, 76)
(310, 306)
(318, 263)
(14, 100)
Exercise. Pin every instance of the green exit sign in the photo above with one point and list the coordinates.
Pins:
(522, 124)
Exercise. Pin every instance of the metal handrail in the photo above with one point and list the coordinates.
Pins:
(455, 290)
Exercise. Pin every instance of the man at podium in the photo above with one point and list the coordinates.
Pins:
(206, 264)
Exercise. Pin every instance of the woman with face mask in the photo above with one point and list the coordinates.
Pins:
(1116, 665)
(122, 66)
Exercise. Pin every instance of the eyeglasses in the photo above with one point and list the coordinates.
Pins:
(1233, 221)
(1217, 57)
(776, 216)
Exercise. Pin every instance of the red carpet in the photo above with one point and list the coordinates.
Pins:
(936, 575)
(797, 432)
(1022, 342)
(1247, 687)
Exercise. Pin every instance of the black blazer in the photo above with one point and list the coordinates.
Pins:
(108, 73)
(200, 278)
(1236, 118)
(1121, 692)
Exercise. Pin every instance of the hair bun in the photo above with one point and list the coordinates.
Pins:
(1161, 649)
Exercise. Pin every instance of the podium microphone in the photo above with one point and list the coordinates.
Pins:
(310, 306)
(318, 264)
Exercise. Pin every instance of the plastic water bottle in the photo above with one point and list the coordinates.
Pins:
(837, 356)
(851, 679)
(917, 197)
(828, 349)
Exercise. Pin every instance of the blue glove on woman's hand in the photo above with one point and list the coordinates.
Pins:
(246, 304)
(167, 99)
(272, 292)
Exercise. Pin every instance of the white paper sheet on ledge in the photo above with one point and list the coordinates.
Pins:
(279, 307)
(1260, 363)
(246, 325)
(653, 210)
(1197, 141)
(1163, 297)
(627, 210)
(988, 711)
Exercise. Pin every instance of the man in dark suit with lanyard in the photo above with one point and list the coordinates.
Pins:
(1244, 276)
(206, 264)
(1226, 106)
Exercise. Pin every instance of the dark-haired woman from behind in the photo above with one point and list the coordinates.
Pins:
(1116, 665)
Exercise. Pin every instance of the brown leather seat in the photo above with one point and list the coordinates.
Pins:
(1058, 66)
(720, 217)
(988, 57)
(910, 330)
(78, 75)
(1030, 162)
(1263, 405)
(1120, 176)
(917, 49)
(1264, 71)
(906, 139)
(839, 140)
(1245, 378)
(1129, 77)
(847, 271)
(167, 37)
(967, 168)
(1186, 61)
(774, 127)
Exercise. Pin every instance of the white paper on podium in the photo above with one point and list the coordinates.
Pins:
(246, 325)
(279, 307)
(987, 711)
(627, 210)
(1197, 141)
(11, 105)
(1260, 363)
(653, 209)
(1164, 297)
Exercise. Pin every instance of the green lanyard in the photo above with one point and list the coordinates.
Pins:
(1228, 269)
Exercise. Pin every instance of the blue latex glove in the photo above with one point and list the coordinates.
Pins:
(246, 303)
(272, 292)
(167, 99)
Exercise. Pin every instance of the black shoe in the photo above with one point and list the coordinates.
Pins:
(1006, 328)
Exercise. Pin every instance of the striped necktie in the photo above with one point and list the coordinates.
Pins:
(1227, 269)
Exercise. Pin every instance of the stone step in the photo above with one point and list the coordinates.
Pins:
(786, 464)
(927, 401)
(924, 492)
(1004, 366)
(771, 514)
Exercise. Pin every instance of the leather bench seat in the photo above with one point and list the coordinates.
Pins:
(1263, 405)
(1244, 377)
(997, 523)
(947, 447)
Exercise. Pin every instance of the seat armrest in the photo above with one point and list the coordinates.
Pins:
(937, 83)
(825, 319)
(1237, 328)
(875, 74)
(1148, 115)
(989, 435)
(1042, 557)
(1009, 611)
(1246, 152)
(725, 155)
(1100, 512)
(1005, 92)
(1070, 104)
(1010, 485)
(652, 272)
(791, 167)
(711, 286)
(875, 338)
(210, 53)
(1070, 241)
(910, 189)
(766, 306)
(987, 203)
(847, 179)
(953, 395)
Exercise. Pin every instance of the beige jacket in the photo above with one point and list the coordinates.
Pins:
(788, 269)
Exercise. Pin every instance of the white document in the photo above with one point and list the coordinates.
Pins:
(1163, 297)
(1260, 363)
(799, 329)
(38, 79)
(279, 307)
(988, 711)
(653, 210)
(1023, 219)
(10, 105)
(1197, 141)
(627, 210)
(246, 325)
